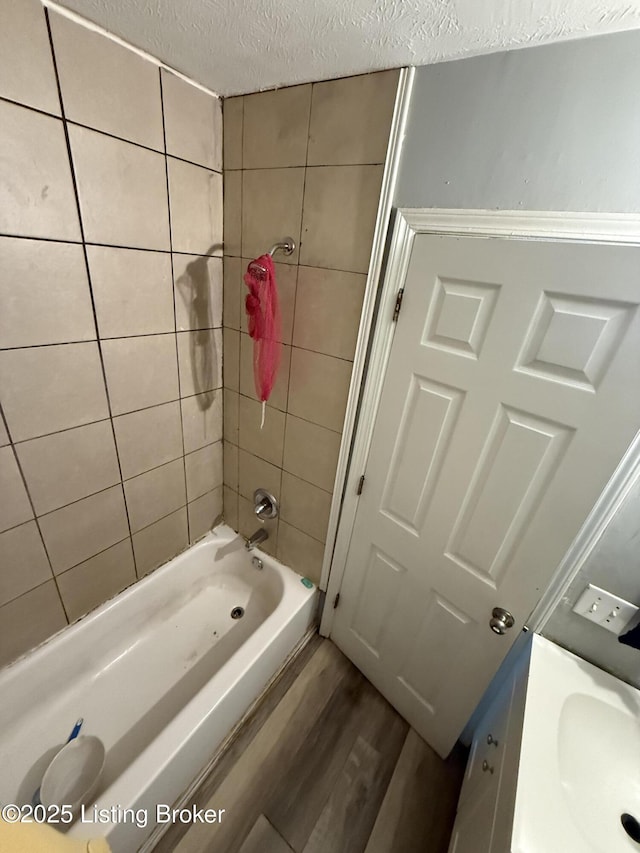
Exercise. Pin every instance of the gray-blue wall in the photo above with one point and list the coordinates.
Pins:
(546, 128)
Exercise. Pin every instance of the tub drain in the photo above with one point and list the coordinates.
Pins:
(631, 826)
(237, 613)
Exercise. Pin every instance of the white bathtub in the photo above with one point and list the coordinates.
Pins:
(161, 674)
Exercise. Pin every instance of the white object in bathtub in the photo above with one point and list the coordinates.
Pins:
(161, 674)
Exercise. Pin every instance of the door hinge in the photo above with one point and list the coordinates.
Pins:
(396, 310)
(336, 601)
(360, 485)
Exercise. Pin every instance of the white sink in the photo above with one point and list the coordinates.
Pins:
(580, 758)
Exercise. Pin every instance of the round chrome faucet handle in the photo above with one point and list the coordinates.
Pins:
(263, 508)
(265, 505)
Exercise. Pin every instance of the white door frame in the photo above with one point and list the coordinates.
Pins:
(376, 339)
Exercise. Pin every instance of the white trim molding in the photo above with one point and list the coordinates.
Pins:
(374, 347)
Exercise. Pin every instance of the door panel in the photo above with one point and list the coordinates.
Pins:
(508, 401)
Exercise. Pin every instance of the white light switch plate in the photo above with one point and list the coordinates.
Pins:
(605, 609)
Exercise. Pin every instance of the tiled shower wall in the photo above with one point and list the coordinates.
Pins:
(110, 316)
(305, 162)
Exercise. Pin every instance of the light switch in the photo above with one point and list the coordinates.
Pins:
(605, 609)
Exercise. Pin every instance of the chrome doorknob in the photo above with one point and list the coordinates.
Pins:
(501, 620)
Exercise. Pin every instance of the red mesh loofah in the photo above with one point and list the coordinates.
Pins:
(263, 315)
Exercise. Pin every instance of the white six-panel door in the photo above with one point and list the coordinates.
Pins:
(510, 396)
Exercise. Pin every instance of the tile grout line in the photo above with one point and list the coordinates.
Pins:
(76, 192)
(175, 317)
(295, 299)
(242, 125)
(26, 521)
(125, 415)
(282, 470)
(112, 338)
(103, 132)
(68, 242)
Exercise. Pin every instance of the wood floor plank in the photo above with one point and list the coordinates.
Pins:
(349, 814)
(297, 803)
(420, 804)
(250, 781)
(241, 739)
(299, 795)
(263, 838)
(340, 826)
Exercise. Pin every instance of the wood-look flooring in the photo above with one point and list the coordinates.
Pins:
(325, 765)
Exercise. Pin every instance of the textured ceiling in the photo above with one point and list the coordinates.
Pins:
(237, 46)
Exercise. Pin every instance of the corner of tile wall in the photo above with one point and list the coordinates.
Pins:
(111, 415)
(304, 161)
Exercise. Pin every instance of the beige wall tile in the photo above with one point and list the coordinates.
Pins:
(248, 524)
(81, 530)
(231, 423)
(232, 109)
(271, 210)
(156, 493)
(286, 282)
(14, 506)
(300, 552)
(200, 361)
(279, 393)
(23, 561)
(305, 506)
(230, 507)
(231, 359)
(105, 85)
(202, 419)
(351, 119)
(36, 190)
(267, 443)
(195, 196)
(233, 213)
(122, 190)
(198, 292)
(192, 121)
(340, 209)
(204, 513)
(29, 620)
(148, 438)
(140, 372)
(132, 290)
(311, 452)
(255, 473)
(328, 309)
(230, 474)
(26, 65)
(53, 302)
(204, 470)
(4, 435)
(95, 581)
(234, 290)
(276, 127)
(70, 465)
(160, 542)
(318, 388)
(45, 389)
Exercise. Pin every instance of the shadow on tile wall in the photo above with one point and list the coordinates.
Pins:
(110, 320)
(304, 161)
(194, 287)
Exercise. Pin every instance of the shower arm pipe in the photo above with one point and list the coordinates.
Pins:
(288, 246)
